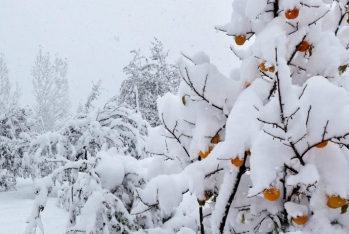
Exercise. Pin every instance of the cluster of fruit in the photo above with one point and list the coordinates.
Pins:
(215, 140)
(290, 15)
(333, 201)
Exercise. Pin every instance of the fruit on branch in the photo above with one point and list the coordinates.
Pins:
(271, 194)
(208, 194)
(292, 14)
(300, 220)
(248, 85)
(335, 202)
(248, 153)
(240, 40)
(206, 153)
(216, 139)
(272, 69)
(237, 162)
(304, 46)
(322, 144)
(263, 67)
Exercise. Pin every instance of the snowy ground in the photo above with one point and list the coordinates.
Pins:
(15, 207)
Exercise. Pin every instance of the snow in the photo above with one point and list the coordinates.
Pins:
(15, 207)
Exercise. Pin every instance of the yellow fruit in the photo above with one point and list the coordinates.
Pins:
(272, 69)
(240, 40)
(335, 202)
(263, 67)
(301, 220)
(216, 139)
(237, 162)
(322, 144)
(205, 154)
(271, 194)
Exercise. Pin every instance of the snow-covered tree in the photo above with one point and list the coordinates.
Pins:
(50, 91)
(148, 78)
(8, 98)
(14, 131)
(282, 163)
(95, 156)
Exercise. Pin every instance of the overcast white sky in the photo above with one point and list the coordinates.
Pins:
(96, 37)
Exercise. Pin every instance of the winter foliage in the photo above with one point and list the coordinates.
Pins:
(148, 78)
(185, 149)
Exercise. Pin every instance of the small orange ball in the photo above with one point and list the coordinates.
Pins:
(237, 162)
(322, 144)
(292, 14)
(263, 67)
(304, 46)
(335, 202)
(240, 40)
(272, 69)
(272, 194)
(300, 220)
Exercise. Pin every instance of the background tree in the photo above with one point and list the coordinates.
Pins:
(15, 132)
(8, 98)
(50, 91)
(148, 78)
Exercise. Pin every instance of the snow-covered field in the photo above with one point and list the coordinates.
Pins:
(15, 207)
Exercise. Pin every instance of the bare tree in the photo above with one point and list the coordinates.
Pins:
(8, 99)
(50, 91)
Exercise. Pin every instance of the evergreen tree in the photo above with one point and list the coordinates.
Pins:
(148, 78)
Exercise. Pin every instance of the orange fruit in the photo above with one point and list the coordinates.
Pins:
(271, 194)
(248, 153)
(322, 144)
(304, 46)
(335, 202)
(263, 67)
(208, 194)
(272, 69)
(205, 154)
(301, 220)
(237, 162)
(248, 85)
(292, 14)
(240, 40)
(216, 139)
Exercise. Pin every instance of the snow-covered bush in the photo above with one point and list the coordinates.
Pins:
(283, 161)
(95, 157)
(147, 79)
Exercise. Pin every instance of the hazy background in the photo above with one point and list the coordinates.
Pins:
(96, 37)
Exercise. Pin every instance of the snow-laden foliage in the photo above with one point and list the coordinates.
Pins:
(14, 132)
(95, 156)
(273, 139)
(148, 78)
(50, 91)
